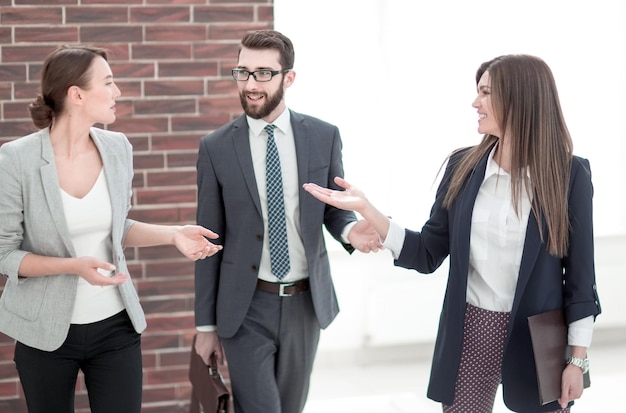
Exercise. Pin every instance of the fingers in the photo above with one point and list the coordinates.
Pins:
(208, 233)
(342, 182)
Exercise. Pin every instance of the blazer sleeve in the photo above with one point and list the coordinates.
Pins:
(336, 219)
(12, 216)
(580, 292)
(210, 214)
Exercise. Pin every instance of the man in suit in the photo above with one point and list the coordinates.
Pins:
(264, 310)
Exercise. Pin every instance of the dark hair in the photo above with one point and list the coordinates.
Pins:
(65, 67)
(271, 39)
(526, 103)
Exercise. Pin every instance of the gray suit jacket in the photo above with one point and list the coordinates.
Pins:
(37, 311)
(228, 203)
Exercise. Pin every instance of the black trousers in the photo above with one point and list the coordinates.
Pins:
(109, 354)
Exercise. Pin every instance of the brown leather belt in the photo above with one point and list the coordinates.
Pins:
(284, 289)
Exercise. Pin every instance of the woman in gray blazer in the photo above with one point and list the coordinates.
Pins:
(64, 195)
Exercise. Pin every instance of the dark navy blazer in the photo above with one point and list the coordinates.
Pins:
(545, 282)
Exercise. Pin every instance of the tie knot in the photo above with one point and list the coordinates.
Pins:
(270, 129)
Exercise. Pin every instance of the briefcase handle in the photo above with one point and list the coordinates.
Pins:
(212, 366)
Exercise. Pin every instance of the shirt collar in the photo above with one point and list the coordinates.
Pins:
(494, 169)
(282, 123)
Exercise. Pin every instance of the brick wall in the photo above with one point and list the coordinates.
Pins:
(172, 61)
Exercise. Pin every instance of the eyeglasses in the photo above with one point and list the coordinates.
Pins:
(241, 75)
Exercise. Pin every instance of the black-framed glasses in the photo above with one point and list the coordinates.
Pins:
(241, 75)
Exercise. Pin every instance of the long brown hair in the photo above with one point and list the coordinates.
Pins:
(526, 103)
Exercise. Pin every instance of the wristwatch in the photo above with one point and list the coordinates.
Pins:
(583, 364)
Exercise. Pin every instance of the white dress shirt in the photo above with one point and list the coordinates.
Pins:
(283, 136)
(496, 247)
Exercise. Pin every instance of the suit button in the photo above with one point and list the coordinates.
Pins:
(255, 268)
(259, 237)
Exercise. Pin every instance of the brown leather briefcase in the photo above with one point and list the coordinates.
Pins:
(209, 393)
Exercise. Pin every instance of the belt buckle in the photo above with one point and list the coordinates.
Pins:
(281, 289)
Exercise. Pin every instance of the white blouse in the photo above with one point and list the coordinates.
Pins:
(89, 220)
(496, 247)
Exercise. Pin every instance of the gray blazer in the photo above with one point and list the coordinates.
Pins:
(228, 202)
(37, 311)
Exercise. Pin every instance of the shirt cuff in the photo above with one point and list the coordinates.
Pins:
(206, 329)
(580, 332)
(346, 231)
(395, 239)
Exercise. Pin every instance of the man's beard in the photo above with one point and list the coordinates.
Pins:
(259, 112)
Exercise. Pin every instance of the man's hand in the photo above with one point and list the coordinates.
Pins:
(364, 237)
(208, 343)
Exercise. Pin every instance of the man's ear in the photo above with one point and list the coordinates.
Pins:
(290, 77)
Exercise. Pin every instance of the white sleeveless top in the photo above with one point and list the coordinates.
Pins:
(89, 220)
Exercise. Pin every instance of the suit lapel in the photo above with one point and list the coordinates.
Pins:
(303, 149)
(52, 190)
(241, 142)
(463, 219)
(114, 171)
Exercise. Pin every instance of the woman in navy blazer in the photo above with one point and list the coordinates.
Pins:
(514, 215)
(65, 194)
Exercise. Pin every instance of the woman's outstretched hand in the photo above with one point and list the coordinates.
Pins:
(192, 242)
(352, 199)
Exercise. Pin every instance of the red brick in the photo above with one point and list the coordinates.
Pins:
(5, 90)
(84, 2)
(177, 142)
(43, 2)
(156, 305)
(217, 51)
(142, 125)
(31, 15)
(222, 87)
(173, 87)
(183, 33)
(170, 106)
(171, 178)
(16, 110)
(46, 34)
(150, 161)
(82, 14)
(132, 34)
(169, 196)
(13, 72)
(221, 105)
(161, 51)
(130, 70)
(234, 31)
(16, 128)
(189, 123)
(153, 215)
(9, 389)
(5, 34)
(187, 69)
(25, 90)
(23, 54)
(165, 14)
(179, 160)
(180, 268)
(174, 284)
(128, 88)
(223, 14)
(140, 143)
(176, 2)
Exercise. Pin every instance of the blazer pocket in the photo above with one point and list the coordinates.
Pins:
(26, 298)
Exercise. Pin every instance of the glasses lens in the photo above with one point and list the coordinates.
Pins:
(263, 75)
(240, 74)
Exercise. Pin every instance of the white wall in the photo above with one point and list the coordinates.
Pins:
(397, 77)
